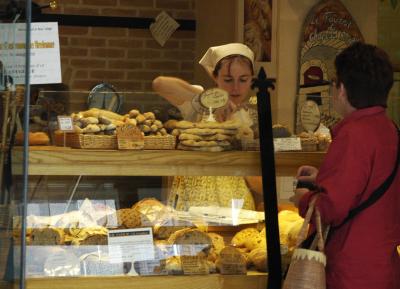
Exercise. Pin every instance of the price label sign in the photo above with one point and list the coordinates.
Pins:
(287, 144)
(65, 123)
(129, 245)
(214, 98)
(310, 116)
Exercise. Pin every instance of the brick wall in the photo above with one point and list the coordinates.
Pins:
(127, 58)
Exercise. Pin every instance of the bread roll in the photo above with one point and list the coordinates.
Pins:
(35, 138)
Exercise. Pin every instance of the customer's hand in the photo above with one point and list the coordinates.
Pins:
(307, 174)
(298, 194)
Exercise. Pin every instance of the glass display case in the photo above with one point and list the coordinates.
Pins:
(13, 76)
(106, 216)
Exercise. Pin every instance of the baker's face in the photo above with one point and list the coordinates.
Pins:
(235, 77)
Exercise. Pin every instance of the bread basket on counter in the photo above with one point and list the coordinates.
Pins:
(86, 141)
(94, 141)
(164, 142)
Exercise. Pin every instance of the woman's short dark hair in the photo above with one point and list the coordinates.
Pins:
(230, 59)
(367, 74)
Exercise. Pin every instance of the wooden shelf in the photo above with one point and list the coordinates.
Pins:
(253, 280)
(65, 161)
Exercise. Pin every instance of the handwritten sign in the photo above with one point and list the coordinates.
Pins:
(232, 262)
(65, 123)
(310, 116)
(44, 52)
(287, 144)
(194, 265)
(163, 28)
(214, 98)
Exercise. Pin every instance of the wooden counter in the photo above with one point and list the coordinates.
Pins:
(65, 161)
(253, 280)
(58, 161)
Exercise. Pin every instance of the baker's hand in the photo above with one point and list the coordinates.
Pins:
(307, 174)
(298, 194)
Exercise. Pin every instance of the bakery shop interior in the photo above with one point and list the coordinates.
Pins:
(162, 138)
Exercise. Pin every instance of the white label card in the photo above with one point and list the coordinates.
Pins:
(65, 123)
(163, 28)
(130, 245)
(285, 144)
(310, 116)
(214, 98)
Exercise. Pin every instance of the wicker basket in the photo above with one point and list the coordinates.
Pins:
(165, 142)
(250, 144)
(307, 266)
(129, 137)
(126, 143)
(86, 141)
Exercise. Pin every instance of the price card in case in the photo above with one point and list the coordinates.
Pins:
(129, 245)
(287, 144)
(65, 123)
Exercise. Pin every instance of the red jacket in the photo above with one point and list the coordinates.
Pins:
(362, 253)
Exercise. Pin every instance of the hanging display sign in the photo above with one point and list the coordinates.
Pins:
(45, 65)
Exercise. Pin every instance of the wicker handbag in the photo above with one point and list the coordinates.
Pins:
(307, 267)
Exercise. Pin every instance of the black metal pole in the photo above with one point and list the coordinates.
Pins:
(24, 200)
(269, 180)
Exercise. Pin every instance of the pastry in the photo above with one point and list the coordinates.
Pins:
(258, 257)
(240, 237)
(35, 138)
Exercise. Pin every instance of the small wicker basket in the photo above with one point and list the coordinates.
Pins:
(250, 144)
(86, 141)
(307, 266)
(165, 142)
(129, 137)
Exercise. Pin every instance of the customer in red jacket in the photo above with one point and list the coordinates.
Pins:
(361, 254)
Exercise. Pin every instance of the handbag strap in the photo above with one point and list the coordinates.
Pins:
(320, 237)
(321, 234)
(304, 228)
(378, 193)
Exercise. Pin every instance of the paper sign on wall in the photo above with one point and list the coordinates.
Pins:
(45, 52)
(163, 28)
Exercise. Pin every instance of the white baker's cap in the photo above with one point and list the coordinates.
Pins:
(216, 53)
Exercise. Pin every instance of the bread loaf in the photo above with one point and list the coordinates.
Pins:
(258, 257)
(35, 138)
(47, 236)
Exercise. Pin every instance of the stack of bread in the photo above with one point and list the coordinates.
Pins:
(314, 141)
(97, 121)
(309, 142)
(71, 233)
(289, 227)
(146, 122)
(100, 121)
(206, 135)
(252, 243)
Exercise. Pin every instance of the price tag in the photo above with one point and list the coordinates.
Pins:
(194, 265)
(232, 262)
(65, 123)
(214, 98)
(285, 144)
(130, 245)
